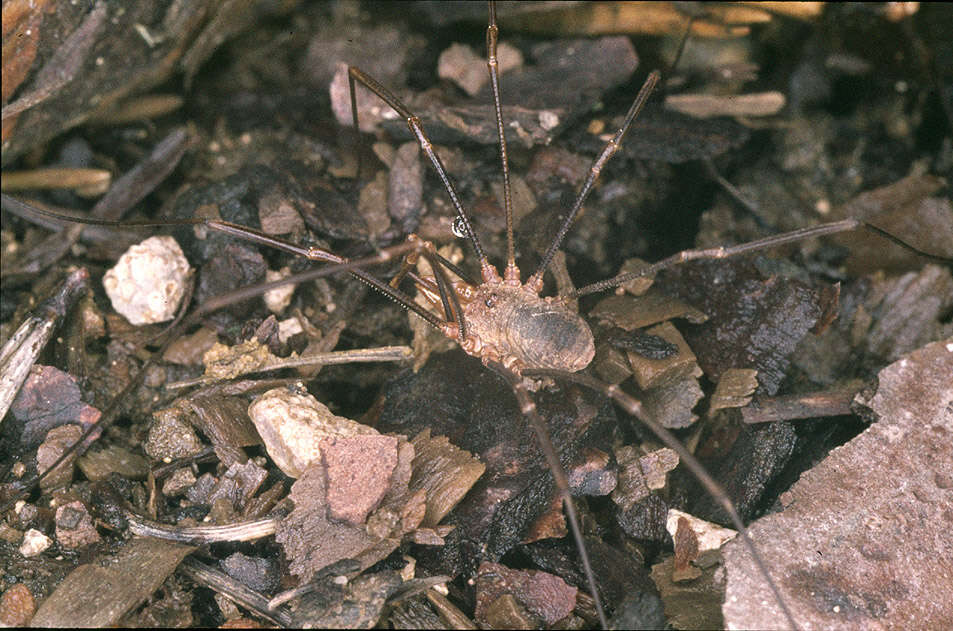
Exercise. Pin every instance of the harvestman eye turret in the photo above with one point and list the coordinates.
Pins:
(503, 321)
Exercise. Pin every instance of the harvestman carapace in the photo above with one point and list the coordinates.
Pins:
(505, 322)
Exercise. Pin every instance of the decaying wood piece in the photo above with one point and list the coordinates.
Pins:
(735, 388)
(62, 67)
(21, 350)
(361, 495)
(98, 596)
(795, 406)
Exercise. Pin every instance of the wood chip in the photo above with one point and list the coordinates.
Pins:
(671, 404)
(696, 541)
(710, 105)
(734, 390)
(95, 595)
(913, 209)
(99, 464)
(640, 474)
(444, 472)
(540, 593)
(629, 313)
(225, 422)
(654, 373)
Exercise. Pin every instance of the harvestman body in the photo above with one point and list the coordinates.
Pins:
(501, 320)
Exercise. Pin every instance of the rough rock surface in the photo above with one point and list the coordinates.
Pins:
(149, 281)
(864, 539)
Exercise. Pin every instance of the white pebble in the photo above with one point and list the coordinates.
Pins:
(292, 425)
(34, 542)
(463, 66)
(710, 537)
(289, 327)
(548, 119)
(149, 280)
(277, 300)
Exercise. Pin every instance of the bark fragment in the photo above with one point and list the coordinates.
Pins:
(129, 578)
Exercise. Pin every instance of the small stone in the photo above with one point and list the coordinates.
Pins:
(288, 328)
(149, 281)
(74, 526)
(359, 470)
(57, 441)
(697, 542)
(405, 186)
(179, 482)
(278, 215)
(463, 66)
(170, 437)
(17, 606)
(539, 593)
(292, 426)
(371, 110)
(278, 299)
(49, 398)
(34, 542)
(460, 64)
(101, 463)
(26, 513)
(200, 491)
(10, 534)
(548, 119)
(261, 574)
(372, 204)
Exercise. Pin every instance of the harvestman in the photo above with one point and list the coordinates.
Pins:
(503, 321)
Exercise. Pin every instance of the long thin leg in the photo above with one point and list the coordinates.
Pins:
(511, 273)
(736, 195)
(536, 280)
(213, 304)
(488, 272)
(528, 408)
(406, 271)
(448, 297)
(723, 252)
(256, 236)
(440, 284)
(634, 407)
